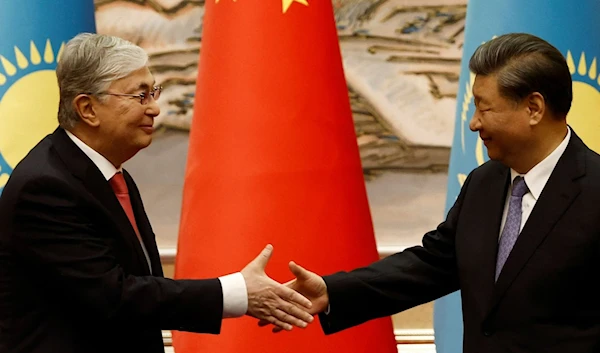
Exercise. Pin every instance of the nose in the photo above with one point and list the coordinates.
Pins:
(475, 123)
(152, 109)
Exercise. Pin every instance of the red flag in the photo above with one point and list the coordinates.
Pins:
(273, 158)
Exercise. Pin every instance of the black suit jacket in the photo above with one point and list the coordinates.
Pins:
(546, 299)
(73, 276)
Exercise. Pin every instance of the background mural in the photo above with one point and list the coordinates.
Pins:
(402, 61)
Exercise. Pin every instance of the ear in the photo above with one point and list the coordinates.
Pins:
(84, 106)
(536, 107)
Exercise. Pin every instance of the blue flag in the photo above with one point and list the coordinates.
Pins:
(568, 25)
(33, 33)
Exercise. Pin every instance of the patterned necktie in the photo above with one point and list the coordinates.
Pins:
(119, 186)
(512, 226)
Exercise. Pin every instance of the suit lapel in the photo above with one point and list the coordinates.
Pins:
(95, 183)
(491, 199)
(144, 225)
(558, 194)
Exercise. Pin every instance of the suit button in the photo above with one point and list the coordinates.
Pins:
(487, 333)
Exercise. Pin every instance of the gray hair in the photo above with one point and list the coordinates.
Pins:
(525, 64)
(88, 64)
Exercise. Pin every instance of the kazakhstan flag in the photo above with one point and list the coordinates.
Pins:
(571, 26)
(33, 34)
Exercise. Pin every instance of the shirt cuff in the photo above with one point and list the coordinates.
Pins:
(235, 295)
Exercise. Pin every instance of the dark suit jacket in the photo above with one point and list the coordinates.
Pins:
(73, 276)
(547, 298)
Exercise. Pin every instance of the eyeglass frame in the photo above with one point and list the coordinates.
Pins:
(140, 96)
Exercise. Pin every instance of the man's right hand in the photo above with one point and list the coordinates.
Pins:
(311, 286)
(271, 301)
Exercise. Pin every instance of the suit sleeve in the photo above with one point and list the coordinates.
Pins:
(401, 281)
(54, 232)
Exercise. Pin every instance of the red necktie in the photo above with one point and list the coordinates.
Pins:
(119, 186)
(117, 182)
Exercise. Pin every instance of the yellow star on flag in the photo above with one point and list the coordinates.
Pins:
(288, 3)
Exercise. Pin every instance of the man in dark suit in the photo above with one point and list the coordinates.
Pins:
(79, 266)
(522, 241)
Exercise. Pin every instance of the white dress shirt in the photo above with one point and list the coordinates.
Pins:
(536, 180)
(235, 297)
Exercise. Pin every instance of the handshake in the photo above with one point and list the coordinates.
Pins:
(283, 305)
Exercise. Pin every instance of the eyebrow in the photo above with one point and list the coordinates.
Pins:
(479, 99)
(144, 86)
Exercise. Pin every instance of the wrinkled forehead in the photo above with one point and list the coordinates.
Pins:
(485, 87)
(139, 80)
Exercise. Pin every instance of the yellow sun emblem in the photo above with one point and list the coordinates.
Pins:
(464, 121)
(28, 102)
(583, 116)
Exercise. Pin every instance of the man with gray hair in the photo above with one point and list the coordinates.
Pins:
(522, 241)
(79, 265)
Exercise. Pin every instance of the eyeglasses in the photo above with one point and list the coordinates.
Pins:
(143, 97)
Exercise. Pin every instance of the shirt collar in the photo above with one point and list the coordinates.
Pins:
(107, 169)
(538, 176)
